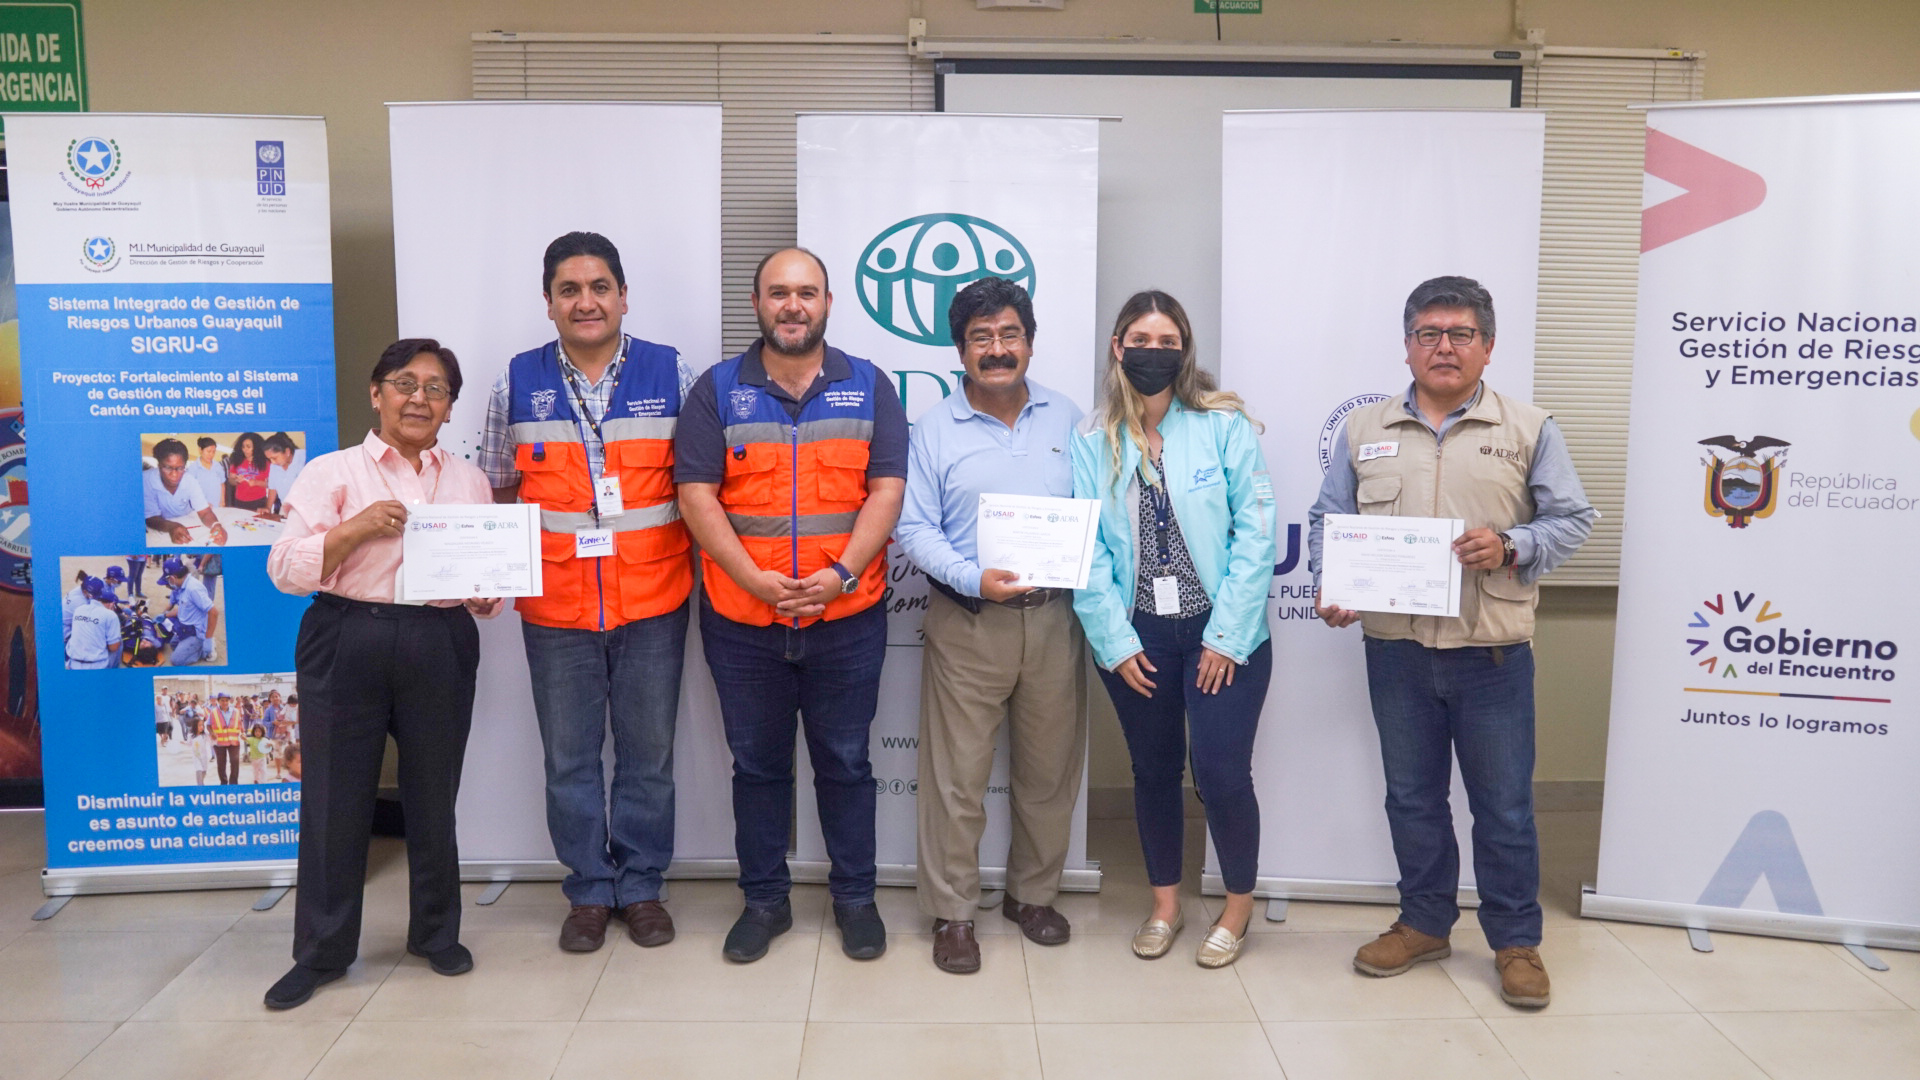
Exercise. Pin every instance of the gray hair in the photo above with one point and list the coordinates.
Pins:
(1451, 292)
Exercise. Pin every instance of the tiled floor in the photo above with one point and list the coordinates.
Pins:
(169, 985)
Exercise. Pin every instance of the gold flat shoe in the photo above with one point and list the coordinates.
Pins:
(1220, 948)
(1155, 936)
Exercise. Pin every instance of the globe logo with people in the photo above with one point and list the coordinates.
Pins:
(909, 274)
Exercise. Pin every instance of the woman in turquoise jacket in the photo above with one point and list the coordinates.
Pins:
(1175, 607)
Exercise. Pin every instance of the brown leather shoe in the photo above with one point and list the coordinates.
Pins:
(648, 923)
(1041, 924)
(1398, 949)
(585, 929)
(954, 948)
(1523, 978)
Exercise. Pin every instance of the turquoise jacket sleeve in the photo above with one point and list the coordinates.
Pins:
(1102, 606)
(1239, 621)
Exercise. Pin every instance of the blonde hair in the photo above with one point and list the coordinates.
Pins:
(1123, 409)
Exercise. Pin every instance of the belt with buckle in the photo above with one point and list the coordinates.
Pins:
(1024, 602)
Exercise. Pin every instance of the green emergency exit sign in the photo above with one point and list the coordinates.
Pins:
(42, 65)
(1227, 7)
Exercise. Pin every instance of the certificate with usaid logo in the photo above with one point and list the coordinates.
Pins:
(1397, 565)
(1047, 541)
(456, 551)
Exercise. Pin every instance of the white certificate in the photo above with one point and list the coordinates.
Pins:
(1047, 541)
(1399, 565)
(453, 551)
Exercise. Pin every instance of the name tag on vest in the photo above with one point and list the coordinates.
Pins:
(1369, 451)
(593, 543)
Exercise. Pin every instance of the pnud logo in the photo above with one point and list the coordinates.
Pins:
(908, 275)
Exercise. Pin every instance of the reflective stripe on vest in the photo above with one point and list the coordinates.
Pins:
(650, 572)
(793, 486)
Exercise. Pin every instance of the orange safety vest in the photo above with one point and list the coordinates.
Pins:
(651, 570)
(223, 726)
(794, 486)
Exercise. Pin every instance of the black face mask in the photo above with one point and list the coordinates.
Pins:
(1150, 370)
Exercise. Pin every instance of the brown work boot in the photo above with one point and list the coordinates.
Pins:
(1523, 978)
(648, 923)
(585, 929)
(955, 950)
(1398, 949)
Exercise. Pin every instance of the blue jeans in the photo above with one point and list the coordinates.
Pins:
(768, 678)
(1477, 703)
(1222, 749)
(188, 650)
(616, 846)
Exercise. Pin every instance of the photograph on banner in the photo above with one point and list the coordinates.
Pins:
(226, 729)
(121, 611)
(238, 480)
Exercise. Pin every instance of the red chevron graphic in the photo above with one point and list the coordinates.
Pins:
(1717, 190)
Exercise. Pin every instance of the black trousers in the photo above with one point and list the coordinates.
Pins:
(364, 671)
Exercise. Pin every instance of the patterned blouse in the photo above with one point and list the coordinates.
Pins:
(1164, 552)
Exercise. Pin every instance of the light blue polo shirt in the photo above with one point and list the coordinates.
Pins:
(192, 604)
(94, 629)
(954, 455)
(160, 502)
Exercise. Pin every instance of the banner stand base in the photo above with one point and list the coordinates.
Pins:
(1086, 879)
(1596, 905)
(178, 878)
(1342, 892)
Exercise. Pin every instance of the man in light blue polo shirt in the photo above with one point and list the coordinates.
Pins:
(995, 651)
(192, 608)
(166, 494)
(94, 641)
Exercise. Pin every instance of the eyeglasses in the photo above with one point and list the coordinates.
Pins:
(408, 388)
(1428, 337)
(985, 341)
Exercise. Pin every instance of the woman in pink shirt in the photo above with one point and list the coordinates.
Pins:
(368, 666)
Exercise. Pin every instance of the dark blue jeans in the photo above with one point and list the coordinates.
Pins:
(615, 844)
(1476, 703)
(1223, 728)
(768, 678)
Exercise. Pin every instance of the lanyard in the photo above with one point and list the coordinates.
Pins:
(572, 375)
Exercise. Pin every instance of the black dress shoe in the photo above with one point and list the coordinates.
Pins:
(862, 935)
(296, 986)
(452, 960)
(755, 930)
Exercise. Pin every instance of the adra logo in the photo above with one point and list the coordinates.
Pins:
(909, 274)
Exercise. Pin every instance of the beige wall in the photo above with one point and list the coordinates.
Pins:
(344, 59)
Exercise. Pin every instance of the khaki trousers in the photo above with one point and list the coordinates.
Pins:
(1028, 670)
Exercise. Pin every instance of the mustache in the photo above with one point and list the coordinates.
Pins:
(997, 363)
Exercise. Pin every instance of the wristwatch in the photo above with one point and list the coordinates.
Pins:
(848, 582)
(1508, 552)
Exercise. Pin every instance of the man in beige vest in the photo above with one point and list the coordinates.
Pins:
(1450, 447)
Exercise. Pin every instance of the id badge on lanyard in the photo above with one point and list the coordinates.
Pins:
(607, 498)
(1166, 588)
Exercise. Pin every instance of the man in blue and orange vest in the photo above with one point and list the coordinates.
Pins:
(792, 463)
(584, 427)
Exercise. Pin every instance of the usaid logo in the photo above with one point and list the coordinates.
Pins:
(270, 167)
(1332, 426)
(426, 526)
(908, 275)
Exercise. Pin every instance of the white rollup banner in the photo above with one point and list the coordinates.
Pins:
(906, 209)
(479, 191)
(1329, 219)
(1762, 749)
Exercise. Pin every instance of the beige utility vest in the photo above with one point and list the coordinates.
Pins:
(1478, 474)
